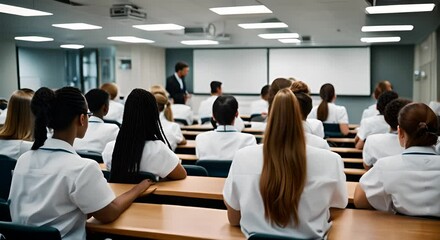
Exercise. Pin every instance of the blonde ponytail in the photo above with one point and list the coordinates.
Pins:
(164, 105)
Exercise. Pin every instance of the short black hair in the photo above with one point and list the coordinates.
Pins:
(305, 103)
(3, 104)
(392, 110)
(180, 66)
(265, 90)
(384, 99)
(224, 109)
(96, 98)
(215, 85)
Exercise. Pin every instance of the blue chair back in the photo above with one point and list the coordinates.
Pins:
(5, 214)
(181, 121)
(91, 155)
(193, 170)
(7, 165)
(332, 130)
(216, 168)
(139, 178)
(18, 231)
(113, 122)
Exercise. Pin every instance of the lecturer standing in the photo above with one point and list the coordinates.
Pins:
(176, 86)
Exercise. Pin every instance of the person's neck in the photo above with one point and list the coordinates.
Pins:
(99, 115)
(215, 94)
(67, 136)
(179, 76)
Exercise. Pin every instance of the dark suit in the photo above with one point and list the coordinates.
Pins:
(173, 88)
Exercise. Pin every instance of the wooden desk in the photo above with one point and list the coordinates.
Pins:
(197, 127)
(102, 166)
(353, 131)
(354, 171)
(190, 133)
(353, 160)
(245, 118)
(155, 221)
(189, 144)
(353, 126)
(351, 186)
(253, 131)
(187, 157)
(340, 140)
(345, 150)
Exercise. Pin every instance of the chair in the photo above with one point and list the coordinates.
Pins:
(5, 214)
(138, 178)
(113, 122)
(262, 236)
(257, 118)
(332, 130)
(192, 170)
(7, 165)
(205, 120)
(106, 174)
(216, 168)
(181, 121)
(18, 231)
(91, 155)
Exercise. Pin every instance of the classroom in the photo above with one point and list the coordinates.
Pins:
(219, 119)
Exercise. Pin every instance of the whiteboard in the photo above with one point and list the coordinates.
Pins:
(31, 82)
(348, 69)
(242, 71)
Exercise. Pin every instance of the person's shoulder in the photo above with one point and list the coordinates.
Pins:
(319, 154)
(248, 154)
(205, 135)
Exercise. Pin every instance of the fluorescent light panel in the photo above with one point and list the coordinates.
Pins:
(77, 26)
(199, 42)
(387, 28)
(21, 11)
(290, 40)
(72, 46)
(263, 25)
(380, 39)
(255, 9)
(34, 39)
(400, 8)
(130, 39)
(159, 27)
(278, 35)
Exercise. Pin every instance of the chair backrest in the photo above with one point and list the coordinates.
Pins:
(7, 165)
(5, 214)
(106, 174)
(332, 130)
(216, 168)
(92, 155)
(205, 120)
(18, 231)
(193, 170)
(113, 122)
(181, 121)
(263, 236)
(257, 118)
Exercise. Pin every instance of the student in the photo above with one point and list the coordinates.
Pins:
(116, 109)
(435, 106)
(385, 144)
(171, 129)
(3, 110)
(141, 145)
(305, 104)
(328, 112)
(223, 142)
(277, 85)
(99, 133)
(300, 87)
(261, 106)
(16, 134)
(53, 186)
(284, 187)
(205, 109)
(375, 124)
(381, 87)
(406, 183)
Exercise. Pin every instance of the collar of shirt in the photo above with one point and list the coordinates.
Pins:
(53, 144)
(226, 128)
(94, 119)
(179, 80)
(418, 150)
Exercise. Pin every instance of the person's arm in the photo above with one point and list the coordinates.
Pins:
(366, 166)
(359, 144)
(178, 173)
(183, 141)
(344, 128)
(360, 198)
(234, 216)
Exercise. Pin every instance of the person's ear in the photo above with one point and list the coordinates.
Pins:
(105, 109)
(236, 114)
(82, 119)
(401, 136)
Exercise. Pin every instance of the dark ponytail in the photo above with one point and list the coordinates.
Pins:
(40, 106)
(327, 94)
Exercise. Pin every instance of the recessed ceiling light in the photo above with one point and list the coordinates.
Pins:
(263, 25)
(380, 39)
(199, 42)
(400, 8)
(77, 26)
(278, 35)
(387, 28)
(290, 40)
(34, 39)
(130, 39)
(159, 27)
(72, 46)
(20, 11)
(255, 9)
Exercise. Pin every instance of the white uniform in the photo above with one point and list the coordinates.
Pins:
(435, 106)
(315, 127)
(406, 183)
(336, 114)
(55, 187)
(205, 111)
(373, 125)
(115, 111)
(172, 131)
(182, 111)
(14, 148)
(379, 146)
(315, 141)
(259, 106)
(157, 158)
(97, 136)
(222, 143)
(370, 112)
(3, 116)
(325, 187)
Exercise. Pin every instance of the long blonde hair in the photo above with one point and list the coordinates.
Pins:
(163, 104)
(284, 169)
(19, 119)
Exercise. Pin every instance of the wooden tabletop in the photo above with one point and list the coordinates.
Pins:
(345, 150)
(197, 127)
(190, 133)
(253, 131)
(352, 131)
(352, 160)
(351, 186)
(340, 140)
(354, 171)
(189, 144)
(187, 157)
(353, 126)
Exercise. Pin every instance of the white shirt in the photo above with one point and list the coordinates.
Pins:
(205, 111)
(325, 187)
(3, 116)
(115, 111)
(182, 111)
(222, 143)
(97, 136)
(406, 183)
(179, 80)
(172, 131)
(435, 106)
(314, 126)
(315, 141)
(14, 148)
(259, 106)
(370, 111)
(336, 114)
(157, 158)
(372, 125)
(53, 186)
(379, 146)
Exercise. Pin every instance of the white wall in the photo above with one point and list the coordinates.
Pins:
(147, 67)
(425, 59)
(8, 69)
